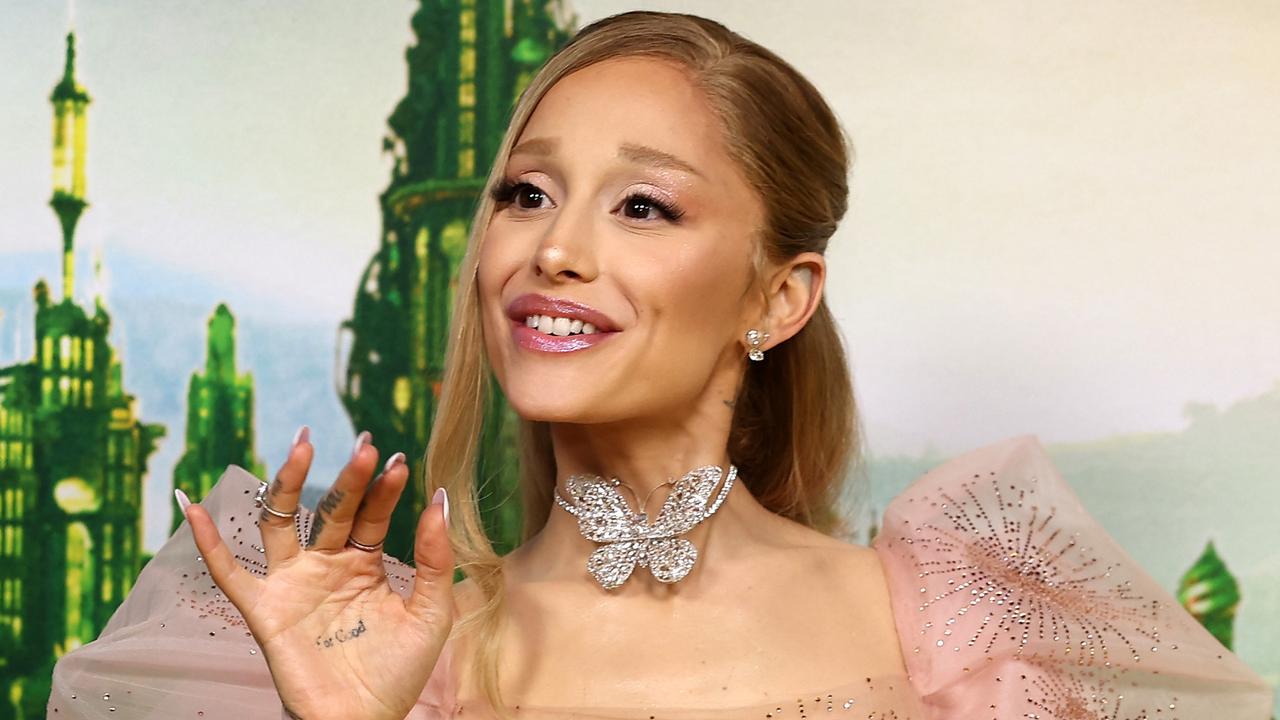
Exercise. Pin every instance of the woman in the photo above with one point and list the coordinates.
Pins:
(645, 281)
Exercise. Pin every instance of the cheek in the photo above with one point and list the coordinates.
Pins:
(488, 262)
(487, 284)
(493, 269)
(696, 299)
(498, 260)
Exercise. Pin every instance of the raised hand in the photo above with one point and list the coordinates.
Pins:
(339, 641)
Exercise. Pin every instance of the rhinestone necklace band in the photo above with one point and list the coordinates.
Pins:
(605, 517)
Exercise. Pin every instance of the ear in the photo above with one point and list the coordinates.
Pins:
(793, 292)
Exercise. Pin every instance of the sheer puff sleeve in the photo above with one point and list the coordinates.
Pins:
(177, 648)
(1012, 602)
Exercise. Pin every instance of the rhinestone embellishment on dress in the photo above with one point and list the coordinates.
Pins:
(1015, 584)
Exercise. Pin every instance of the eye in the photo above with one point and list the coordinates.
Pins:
(643, 204)
(636, 206)
(506, 191)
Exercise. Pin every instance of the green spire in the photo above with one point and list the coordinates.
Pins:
(67, 88)
(69, 147)
(1211, 594)
(220, 429)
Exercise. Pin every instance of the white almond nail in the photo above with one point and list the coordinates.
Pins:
(391, 461)
(441, 497)
(183, 501)
(361, 440)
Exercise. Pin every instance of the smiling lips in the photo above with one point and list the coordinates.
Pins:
(548, 324)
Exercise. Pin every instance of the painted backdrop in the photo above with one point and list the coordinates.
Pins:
(1062, 223)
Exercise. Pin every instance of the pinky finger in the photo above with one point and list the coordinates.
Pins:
(240, 586)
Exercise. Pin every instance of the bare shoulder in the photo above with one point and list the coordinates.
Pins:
(831, 556)
(850, 581)
(852, 571)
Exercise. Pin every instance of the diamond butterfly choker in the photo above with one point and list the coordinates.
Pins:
(605, 517)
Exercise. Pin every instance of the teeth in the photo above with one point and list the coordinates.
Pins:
(560, 326)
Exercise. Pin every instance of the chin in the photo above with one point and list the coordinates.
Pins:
(540, 402)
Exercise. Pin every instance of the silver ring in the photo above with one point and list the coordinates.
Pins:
(367, 548)
(260, 500)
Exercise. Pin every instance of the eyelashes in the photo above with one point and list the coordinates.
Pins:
(506, 190)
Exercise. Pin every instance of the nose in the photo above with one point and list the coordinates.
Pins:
(565, 251)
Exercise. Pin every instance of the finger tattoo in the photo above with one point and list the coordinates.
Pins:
(323, 510)
(273, 492)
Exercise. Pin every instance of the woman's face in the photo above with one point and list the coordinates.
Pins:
(623, 215)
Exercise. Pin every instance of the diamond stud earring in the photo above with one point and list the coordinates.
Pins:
(755, 339)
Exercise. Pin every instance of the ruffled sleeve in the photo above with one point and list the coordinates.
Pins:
(1012, 602)
(177, 648)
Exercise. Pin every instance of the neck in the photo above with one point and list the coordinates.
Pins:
(644, 458)
(644, 455)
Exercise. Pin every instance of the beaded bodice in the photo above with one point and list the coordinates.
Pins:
(873, 698)
(1009, 600)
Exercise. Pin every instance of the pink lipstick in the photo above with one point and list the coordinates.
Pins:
(546, 324)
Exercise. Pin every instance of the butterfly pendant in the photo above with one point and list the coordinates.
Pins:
(630, 540)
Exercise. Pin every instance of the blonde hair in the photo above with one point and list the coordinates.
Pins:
(795, 427)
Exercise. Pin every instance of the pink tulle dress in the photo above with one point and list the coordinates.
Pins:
(1010, 600)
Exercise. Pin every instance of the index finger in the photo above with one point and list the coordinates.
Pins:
(280, 534)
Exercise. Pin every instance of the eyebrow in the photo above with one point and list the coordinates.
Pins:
(642, 154)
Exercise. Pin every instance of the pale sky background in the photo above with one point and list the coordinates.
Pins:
(1063, 217)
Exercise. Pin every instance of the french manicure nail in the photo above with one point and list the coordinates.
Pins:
(391, 461)
(442, 498)
(183, 500)
(361, 440)
(303, 435)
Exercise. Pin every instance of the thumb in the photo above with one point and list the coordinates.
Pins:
(432, 597)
